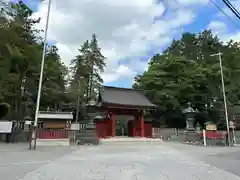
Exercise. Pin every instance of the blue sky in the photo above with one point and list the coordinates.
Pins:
(129, 57)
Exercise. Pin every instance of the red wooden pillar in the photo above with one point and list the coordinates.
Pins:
(109, 124)
(113, 124)
(141, 123)
(134, 127)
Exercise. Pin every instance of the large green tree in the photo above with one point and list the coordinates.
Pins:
(20, 58)
(186, 71)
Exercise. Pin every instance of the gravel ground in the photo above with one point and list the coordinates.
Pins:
(226, 158)
(129, 162)
(16, 160)
(168, 161)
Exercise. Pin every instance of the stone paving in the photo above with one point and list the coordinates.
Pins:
(16, 160)
(141, 162)
(226, 158)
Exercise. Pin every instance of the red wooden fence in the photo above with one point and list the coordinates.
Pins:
(215, 134)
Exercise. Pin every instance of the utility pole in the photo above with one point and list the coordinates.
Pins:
(224, 94)
(34, 130)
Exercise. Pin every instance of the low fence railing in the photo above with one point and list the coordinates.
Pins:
(163, 133)
(181, 135)
(52, 134)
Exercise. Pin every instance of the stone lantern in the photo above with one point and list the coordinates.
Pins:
(93, 110)
(190, 133)
(89, 135)
(190, 115)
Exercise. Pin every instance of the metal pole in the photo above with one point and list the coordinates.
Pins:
(41, 76)
(204, 138)
(224, 95)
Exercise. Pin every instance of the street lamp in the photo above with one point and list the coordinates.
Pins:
(224, 94)
(34, 138)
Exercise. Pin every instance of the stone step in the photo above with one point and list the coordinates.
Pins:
(52, 142)
(130, 141)
(87, 137)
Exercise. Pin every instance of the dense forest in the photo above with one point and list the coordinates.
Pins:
(186, 72)
(21, 49)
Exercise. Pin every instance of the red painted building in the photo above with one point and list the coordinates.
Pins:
(54, 124)
(117, 102)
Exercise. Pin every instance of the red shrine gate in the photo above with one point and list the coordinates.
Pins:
(122, 101)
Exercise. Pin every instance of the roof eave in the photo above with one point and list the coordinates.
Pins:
(127, 105)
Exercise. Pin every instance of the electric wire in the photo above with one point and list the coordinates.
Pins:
(229, 17)
(232, 8)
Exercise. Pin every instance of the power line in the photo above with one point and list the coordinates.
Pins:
(232, 8)
(229, 17)
(228, 3)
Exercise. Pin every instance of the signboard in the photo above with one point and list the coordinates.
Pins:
(75, 126)
(28, 122)
(231, 124)
(54, 125)
(211, 127)
(5, 127)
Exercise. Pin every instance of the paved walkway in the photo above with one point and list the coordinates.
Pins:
(226, 158)
(16, 160)
(140, 162)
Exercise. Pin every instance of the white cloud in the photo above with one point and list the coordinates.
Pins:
(222, 28)
(121, 71)
(223, 31)
(235, 36)
(124, 28)
(231, 36)
(217, 27)
(192, 2)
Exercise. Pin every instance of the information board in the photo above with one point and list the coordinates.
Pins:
(5, 126)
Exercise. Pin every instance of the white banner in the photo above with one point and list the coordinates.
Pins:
(5, 126)
(75, 126)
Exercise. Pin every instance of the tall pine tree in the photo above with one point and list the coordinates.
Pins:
(87, 66)
(97, 62)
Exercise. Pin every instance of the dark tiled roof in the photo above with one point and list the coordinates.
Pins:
(125, 97)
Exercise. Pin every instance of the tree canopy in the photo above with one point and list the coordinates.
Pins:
(86, 69)
(20, 58)
(21, 49)
(186, 71)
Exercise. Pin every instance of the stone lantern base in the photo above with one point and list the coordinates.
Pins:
(191, 134)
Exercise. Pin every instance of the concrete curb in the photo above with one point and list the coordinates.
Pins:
(53, 142)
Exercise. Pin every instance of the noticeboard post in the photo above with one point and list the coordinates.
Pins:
(211, 127)
(231, 125)
(6, 126)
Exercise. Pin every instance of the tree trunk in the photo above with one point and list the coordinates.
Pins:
(90, 83)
